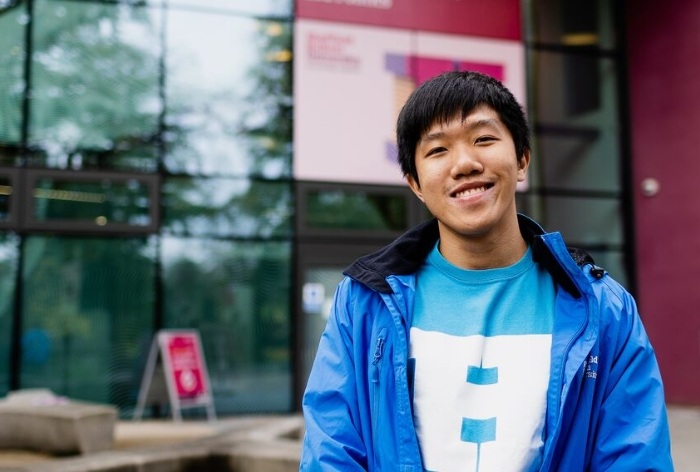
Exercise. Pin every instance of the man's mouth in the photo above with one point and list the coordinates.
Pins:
(472, 191)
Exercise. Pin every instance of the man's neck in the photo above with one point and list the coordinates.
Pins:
(487, 251)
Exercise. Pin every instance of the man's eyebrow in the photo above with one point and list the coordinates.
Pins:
(431, 136)
(469, 125)
(483, 123)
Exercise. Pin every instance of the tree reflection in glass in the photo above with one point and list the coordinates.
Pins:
(95, 99)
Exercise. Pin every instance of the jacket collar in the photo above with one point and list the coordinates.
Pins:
(408, 252)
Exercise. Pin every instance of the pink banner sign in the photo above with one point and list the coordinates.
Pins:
(184, 356)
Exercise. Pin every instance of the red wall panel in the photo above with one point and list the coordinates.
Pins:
(484, 18)
(664, 88)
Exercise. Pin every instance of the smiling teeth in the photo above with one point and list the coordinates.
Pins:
(471, 191)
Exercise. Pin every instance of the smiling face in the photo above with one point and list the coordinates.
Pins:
(467, 173)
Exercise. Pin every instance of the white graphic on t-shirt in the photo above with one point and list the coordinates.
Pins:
(470, 397)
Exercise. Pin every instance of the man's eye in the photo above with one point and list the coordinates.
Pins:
(435, 150)
(484, 139)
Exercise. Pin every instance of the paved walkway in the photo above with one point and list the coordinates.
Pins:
(685, 437)
(684, 422)
(251, 442)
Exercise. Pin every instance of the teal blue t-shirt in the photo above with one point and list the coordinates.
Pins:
(481, 341)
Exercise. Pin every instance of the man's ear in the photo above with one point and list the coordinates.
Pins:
(523, 164)
(415, 187)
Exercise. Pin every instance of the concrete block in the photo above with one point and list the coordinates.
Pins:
(41, 421)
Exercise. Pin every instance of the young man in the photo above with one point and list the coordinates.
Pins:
(477, 341)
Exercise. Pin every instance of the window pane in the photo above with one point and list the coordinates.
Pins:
(344, 209)
(101, 202)
(572, 22)
(92, 201)
(227, 207)
(578, 161)
(8, 267)
(12, 52)
(576, 145)
(88, 312)
(238, 296)
(598, 221)
(95, 78)
(229, 105)
(556, 96)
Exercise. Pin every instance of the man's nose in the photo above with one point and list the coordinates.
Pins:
(466, 162)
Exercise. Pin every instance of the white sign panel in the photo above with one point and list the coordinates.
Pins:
(351, 81)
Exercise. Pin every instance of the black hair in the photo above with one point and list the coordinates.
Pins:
(447, 95)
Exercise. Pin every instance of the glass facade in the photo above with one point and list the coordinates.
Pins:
(145, 184)
(85, 313)
(238, 295)
(9, 256)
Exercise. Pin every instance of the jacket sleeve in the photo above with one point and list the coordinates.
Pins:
(632, 429)
(333, 439)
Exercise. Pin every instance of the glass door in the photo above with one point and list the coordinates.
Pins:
(317, 290)
(319, 270)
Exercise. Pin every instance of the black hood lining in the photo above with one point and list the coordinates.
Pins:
(408, 252)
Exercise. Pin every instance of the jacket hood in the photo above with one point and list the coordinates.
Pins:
(408, 252)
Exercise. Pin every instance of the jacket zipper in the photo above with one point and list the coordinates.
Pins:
(377, 356)
(379, 348)
(561, 398)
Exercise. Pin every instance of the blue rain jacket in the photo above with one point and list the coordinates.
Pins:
(605, 401)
